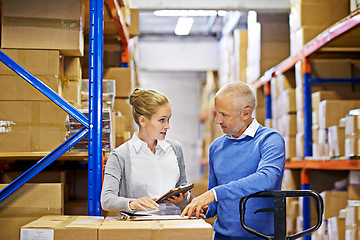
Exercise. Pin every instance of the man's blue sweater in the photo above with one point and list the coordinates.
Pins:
(238, 168)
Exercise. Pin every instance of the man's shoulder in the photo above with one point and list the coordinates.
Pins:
(266, 131)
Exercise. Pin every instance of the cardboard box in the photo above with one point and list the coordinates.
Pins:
(46, 24)
(37, 62)
(288, 100)
(122, 76)
(174, 229)
(122, 105)
(300, 145)
(31, 126)
(240, 53)
(336, 141)
(336, 228)
(62, 228)
(351, 147)
(134, 24)
(352, 217)
(351, 125)
(288, 126)
(334, 201)
(16, 88)
(71, 91)
(354, 191)
(310, 13)
(331, 68)
(72, 68)
(330, 111)
(290, 147)
(121, 125)
(27, 204)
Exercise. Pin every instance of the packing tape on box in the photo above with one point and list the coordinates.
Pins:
(42, 22)
(29, 211)
(157, 231)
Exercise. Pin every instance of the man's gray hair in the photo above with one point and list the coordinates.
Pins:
(241, 93)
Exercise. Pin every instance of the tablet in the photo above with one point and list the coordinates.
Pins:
(175, 191)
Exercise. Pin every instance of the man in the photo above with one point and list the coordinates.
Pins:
(249, 158)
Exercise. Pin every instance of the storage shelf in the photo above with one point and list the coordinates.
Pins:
(34, 156)
(324, 164)
(339, 28)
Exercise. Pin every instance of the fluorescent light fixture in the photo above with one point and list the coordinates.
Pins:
(184, 13)
(184, 25)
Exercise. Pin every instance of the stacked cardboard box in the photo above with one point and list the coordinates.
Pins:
(240, 54)
(283, 107)
(352, 222)
(72, 81)
(29, 121)
(124, 85)
(226, 70)
(330, 113)
(267, 34)
(46, 24)
(352, 135)
(323, 69)
(62, 227)
(97, 228)
(309, 18)
(27, 204)
(37, 36)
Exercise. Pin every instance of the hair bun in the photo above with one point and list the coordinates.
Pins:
(135, 94)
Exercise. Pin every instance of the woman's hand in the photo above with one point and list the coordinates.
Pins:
(177, 199)
(143, 203)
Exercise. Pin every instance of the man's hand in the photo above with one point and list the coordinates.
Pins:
(143, 203)
(198, 204)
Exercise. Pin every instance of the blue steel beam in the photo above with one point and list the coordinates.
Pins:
(44, 89)
(307, 116)
(95, 106)
(44, 162)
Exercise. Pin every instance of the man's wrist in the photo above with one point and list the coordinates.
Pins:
(214, 193)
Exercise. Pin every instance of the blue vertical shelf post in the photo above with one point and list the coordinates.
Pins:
(95, 106)
(307, 108)
(267, 93)
(305, 182)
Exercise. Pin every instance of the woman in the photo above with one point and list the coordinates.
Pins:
(148, 165)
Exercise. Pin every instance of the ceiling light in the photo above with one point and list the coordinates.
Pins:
(185, 13)
(184, 25)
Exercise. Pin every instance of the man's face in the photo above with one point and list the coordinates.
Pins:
(228, 116)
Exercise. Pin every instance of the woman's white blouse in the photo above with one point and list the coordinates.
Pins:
(152, 174)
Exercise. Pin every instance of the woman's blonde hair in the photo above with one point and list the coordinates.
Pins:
(145, 103)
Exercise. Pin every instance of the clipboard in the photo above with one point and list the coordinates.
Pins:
(175, 191)
(149, 217)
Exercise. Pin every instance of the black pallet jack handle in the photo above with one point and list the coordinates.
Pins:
(279, 210)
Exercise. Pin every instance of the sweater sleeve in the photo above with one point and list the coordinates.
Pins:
(267, 175)
(110, 200)
(211, 212)
(181, 163)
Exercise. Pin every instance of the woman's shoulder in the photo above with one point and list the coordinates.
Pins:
(122, 149)
(173, 142)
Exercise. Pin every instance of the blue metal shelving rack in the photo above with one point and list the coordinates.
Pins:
(91, 125)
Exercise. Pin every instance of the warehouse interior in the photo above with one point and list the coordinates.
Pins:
(300, 57)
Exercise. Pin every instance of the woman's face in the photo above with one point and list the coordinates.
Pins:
(157, 126)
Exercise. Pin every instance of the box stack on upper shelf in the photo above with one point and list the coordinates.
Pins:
(309, 18)
(268, 43)
(47, 39)
(283, 108)
(38, 36)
